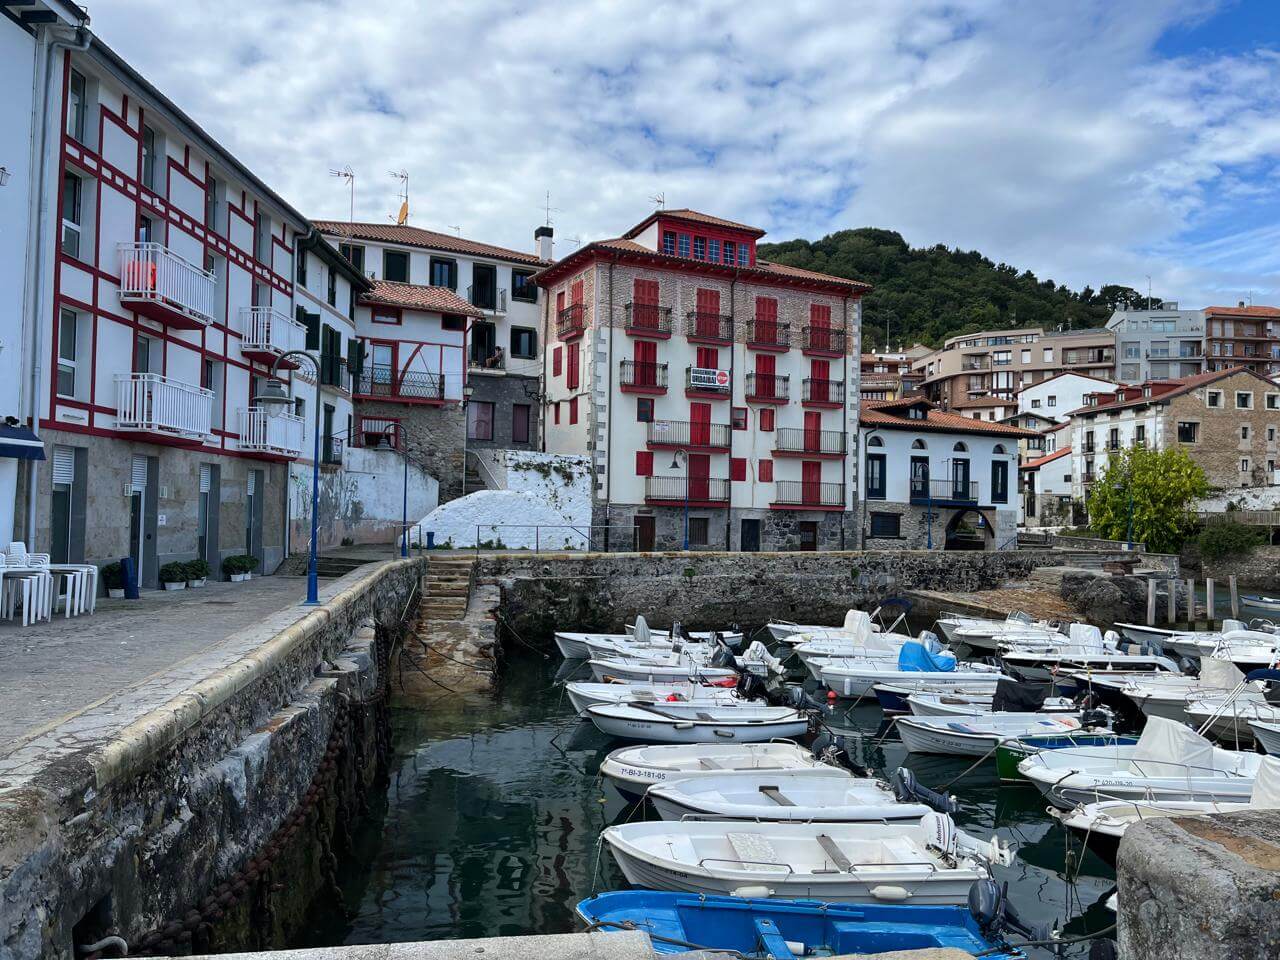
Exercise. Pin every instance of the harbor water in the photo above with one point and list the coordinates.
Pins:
(493, 810)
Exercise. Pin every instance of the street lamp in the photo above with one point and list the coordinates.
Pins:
(862, 487)
(676, 458)
(274, 400)
(385, 445)
(467, 391)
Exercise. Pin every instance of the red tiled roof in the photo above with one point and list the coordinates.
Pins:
(987, 401)
(1047, 458)
(417, 297)
(1179, 387)
(1063, 373)
(936, 421)
(1260, 311)
(692, 216)
(417, 237)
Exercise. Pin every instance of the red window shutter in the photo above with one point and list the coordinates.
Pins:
(646, 292)
(644, 463)
(765, 470)
(819, 315)
(766, 310)
(559, 302)
(571, 358)
(557, 361)
(708, 358)
(766, 420)
(555, 412)
(820, 369)
(575, 294)
(766, 365)
(708, 301)
(737, 468)
(573, 409)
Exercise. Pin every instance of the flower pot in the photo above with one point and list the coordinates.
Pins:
(249, 575)
(115, 593)
(176, 585)
(239, 577)
(195, 583)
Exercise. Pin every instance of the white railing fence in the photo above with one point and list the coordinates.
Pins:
(280, 434)
(269, 330)
(151, 402)
(152, 272)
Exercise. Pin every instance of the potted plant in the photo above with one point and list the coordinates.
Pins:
(197, 573)
(174, 576)
(112, 575)
(233, 567)
(250, 564)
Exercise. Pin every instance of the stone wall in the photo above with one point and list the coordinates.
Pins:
(541, 594)
(505, 390)
(434, 438)
(1258, 569)
(136, 830)
(1220, 447)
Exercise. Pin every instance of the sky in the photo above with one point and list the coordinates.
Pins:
(1091, 142)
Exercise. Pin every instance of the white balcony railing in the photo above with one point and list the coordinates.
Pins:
(268, 331)
(281, 435)
(150, 403)
(168, 288)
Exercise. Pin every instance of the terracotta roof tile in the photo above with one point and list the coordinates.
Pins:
(417, 297)
(1047, 458)
(692, 216)
(417, 237)
(936, 421)
(983, 402)
(1259, 311)
(1183, 386)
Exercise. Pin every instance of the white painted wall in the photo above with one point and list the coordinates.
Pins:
(940, 449)
(1059, 396)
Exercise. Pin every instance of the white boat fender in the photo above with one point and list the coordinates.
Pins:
(755, 891)
(891, 893)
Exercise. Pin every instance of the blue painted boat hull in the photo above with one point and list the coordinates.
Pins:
(680, 921)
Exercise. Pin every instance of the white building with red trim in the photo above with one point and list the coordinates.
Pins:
(702, 380)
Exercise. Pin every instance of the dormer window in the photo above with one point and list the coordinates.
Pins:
(730, 251)
(699, 248)
(669, 243)
(683, 245)
(744, 255)
(916, 413)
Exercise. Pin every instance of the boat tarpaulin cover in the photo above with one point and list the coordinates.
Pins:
(1171, 749)
(1219, 674)
(914, 657)
(19, 443)
(1266, 788)
(1014, 697)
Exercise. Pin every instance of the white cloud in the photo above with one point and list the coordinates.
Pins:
(1048, 136)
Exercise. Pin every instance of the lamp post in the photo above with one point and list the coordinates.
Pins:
(467, 391)
(862, 487)
(274, 400)
(675, 465)
(385, 445)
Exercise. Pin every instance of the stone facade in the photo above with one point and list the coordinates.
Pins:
(505, 391)
(915, 530)
(101, 506)
(1220, 447)
(779, 530)
(434, 436)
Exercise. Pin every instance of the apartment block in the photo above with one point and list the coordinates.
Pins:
(1158, 344)
(1242, 336)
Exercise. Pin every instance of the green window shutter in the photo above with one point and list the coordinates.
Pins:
(312, 322)
(355, 357)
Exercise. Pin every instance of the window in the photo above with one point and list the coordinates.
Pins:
(875, 476)
(522, 286)
(148, 157)
(520, 423)
(302, 268)
(524, 342)
(669, 243)
(484, 285)
(385, 315)
(1244, 431)
(644, 463)
(354, 253)
(644, 409)
(212, 190)
(713, 251)
(999, 481)
(1271, 433)
(1273, 401)
(737, 469)
(744, 255)
(1026, 356)
(571, 366)
(1140, 434)
(1213, 398)
(1035, 404)
(71, 214)
(1244, 464)
(395, 266)
(886, 525)
(479, 420)
(766, 419)
(1244, 399)
(698, 527)
(765, 471)
(1113, 438)
(262, 237)
(333, 287)
(1048, 354)
(67, 343)
(555, 413)
(738, 416)
(730, 249)
(1188, 431)
(557, 358)
(699, 248)
(683, 244)
(77, 106)
(573, 409)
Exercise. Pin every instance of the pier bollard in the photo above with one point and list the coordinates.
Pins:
(1191, 602)
(1209, 606)
(1151, 603)
(1171, 600)
(1235, 597)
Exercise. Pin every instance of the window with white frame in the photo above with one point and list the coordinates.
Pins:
(1244, 399)
(1244, 431)
(68, 352)
(1273, 401)
(77, 105)
(1213, 398)
(72, 213)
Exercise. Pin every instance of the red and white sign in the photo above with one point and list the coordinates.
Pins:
(708, 378)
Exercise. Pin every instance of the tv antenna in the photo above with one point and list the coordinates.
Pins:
(348, 176)
(402, 217)
(659, 200)
(456, 229)
(576, 240)
(548, 209)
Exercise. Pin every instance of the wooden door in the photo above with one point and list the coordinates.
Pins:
(699, 476)
(699, 424)
(645, 533)
(813, 431)
(646, 361)
(811, 481)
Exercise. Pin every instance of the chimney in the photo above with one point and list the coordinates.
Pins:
(542, 242)
(1240, 303)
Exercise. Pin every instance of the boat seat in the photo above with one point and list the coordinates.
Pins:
(752, 848)
(832, 850)
(776, 795)
(709, 764)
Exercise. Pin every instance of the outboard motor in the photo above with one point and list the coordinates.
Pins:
(1103, 950)
(678, 631)
(722, 658)
(908, 790)
(751, 687)
(1097, 717)
(930, 641)
(989, 905)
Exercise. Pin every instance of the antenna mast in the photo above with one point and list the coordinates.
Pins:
(659, 200)
(402, 217)
(548, 209)
(348, 175)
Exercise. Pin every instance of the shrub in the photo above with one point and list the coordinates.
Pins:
(197, 569)
(1227, 539)
(112, 575)
(239, 563)
(173, 573)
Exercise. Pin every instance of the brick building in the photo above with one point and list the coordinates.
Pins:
(1242, 336)
(700, 378)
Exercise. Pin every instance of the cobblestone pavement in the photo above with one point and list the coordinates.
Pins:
(68, 684)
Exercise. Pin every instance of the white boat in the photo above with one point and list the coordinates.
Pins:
(740, 722)
(1268, 735)
(930, 862)
(782, 798)
(976, 736)
(676, 670)
(1084, 648)
(1244, 647)
(915, 669)
(1228, 718)
(1261, 601)
(1101, 825)
(949, 704)
(574, 646)
(1166, 695)
(855, 625)
(582, 694)
(980, 633)
(633, 770)
(1169, 762)
(598, 649)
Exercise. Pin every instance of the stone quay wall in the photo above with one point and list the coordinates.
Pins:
(541, 594)
(213, 815)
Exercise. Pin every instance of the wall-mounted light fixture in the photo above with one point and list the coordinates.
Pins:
(4, 176)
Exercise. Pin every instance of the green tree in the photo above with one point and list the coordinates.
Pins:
(1156, 488)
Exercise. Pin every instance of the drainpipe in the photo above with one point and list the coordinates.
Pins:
(35, 246)
(855, 399)
(733, 347)
(608, 427)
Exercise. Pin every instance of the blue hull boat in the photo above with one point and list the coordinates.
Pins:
(787, 929)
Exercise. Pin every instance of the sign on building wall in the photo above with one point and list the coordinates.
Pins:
(708, 378)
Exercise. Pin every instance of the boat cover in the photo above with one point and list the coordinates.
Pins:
(1266, 788)
(858, 624)
(1168, 748)
(1087, 637)
(1014, 697)
(914, 658)
(641, 632)
(1219, 674)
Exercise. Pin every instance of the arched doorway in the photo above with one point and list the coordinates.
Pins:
(968, 530)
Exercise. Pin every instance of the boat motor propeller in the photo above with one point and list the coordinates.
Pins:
(989, 905)
(1099, 717)
(909, 790)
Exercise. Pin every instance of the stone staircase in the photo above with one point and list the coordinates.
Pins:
(445, 588)
(449, 652)
(330, 568)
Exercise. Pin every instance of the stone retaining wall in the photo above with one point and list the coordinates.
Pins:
(541, 594)
(136, 830)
